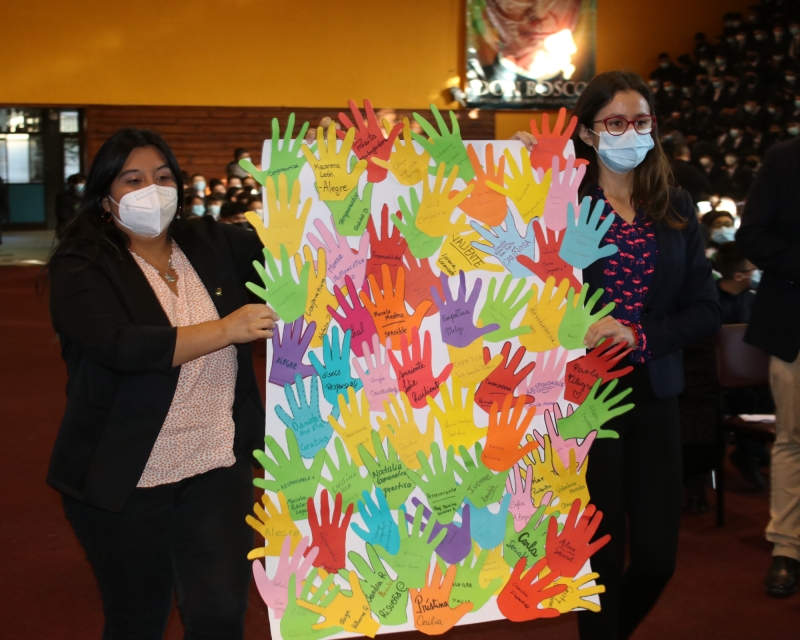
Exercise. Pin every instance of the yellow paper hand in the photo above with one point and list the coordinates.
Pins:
(544, 476)
(355, 427)
(319, 297)
(351, 612)
(573, 597)
(543, 316)
(436, 206)
(455, 417)
(334, 182)
(459, 254)
(526, 188)
(569, 484)
(274, 524)
(403, 432)
(406, 165)
(285, 219)
(494, 567)
(469, 364)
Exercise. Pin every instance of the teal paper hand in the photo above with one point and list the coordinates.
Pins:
(381, 528)
(285, 294)
(335, 373)
(296, 623)
(313, 433)
(484, 486)
(387, 470)
(286, 158)
(420, 243)
(578, 317)
(489, 529)
(444, 145)
(350, 216)
(507, 244)
(291, 476)
(346, 478)
(579, 247)
(528, 543)
(595, 411)
(439, 483)
(467, 586)
(387, 596)
(504, 307)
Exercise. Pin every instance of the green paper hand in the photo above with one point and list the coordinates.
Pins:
(291, 476)
(286, 295)
(439, 483)
(484, 486)
(412, 561)
(388, 471)
(595, 411)
(297, 622)
(346, 478)
(387, 596)
(285, 158)
(504, 307)
(350, 216)
(529, 542)
(444, 145)
(579, 317)
(467, 586)
(420, 244)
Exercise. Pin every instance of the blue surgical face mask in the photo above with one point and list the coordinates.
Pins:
(200, 187)
(723, 235)
(624, 153)
(214, 210)
(80, 188)
(198, 209)
(755, 279)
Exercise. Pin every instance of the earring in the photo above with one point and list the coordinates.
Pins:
(105, 216)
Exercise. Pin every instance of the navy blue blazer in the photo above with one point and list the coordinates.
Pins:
(118, 345)
(682, 303)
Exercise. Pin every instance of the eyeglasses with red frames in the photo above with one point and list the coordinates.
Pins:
(617, 125)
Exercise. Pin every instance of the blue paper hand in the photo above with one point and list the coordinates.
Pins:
(335, 373)
(313, 433)
(579, 247)
(506, 244)
(381, 528)
(489, 529)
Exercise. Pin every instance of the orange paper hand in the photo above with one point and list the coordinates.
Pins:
(506, 431)
(430, 606)
(389, 308)
(552, 143)
(520, 599)
(485, 204)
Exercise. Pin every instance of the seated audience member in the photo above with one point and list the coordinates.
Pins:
(70, 200)
(735, 178)
(233, 213)
(215, 202)
(217, 186)
(720, 228)
(234, 181)
(195, 205)
(250, 185)
(233, 193)
(689, 177)
(233, 168)
(187, 181)
(199, 185)
(254, 203)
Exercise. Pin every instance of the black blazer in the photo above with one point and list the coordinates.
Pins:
(682, 303)
(118, 346)
(770, 238)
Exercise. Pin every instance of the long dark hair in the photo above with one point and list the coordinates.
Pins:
(651, 179)
(89, 227)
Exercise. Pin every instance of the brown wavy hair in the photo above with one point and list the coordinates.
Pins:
(652, 178)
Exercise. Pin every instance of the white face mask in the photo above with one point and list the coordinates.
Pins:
(723, 235)
(755, 279)
(623, 153)
(147, 212)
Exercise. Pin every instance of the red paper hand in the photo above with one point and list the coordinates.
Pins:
(503, 381)
(506, 431)
(388, 249)
(485, 204)
(552, 143)
(389, 312)
(583, 372)
(370, 138)
(328, 533)
(549, 262)
(568, 551)
(419, 282)
(520, 598)
(415, 372)
(354, 316)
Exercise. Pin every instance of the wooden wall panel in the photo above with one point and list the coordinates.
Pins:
(203, 138)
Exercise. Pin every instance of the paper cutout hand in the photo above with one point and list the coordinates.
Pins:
(291, 476)
(328, 531)
(318, 298)
(526, 187)
(563, 195)
(346, 478)
(420, 243)
(455, 417)
(392, 320)
(354, 317)
(370, 141)
(285, 294)
(402, 430)
(444, 146)
(549, 263)
(468, 363)
(334, 182)
(545, 478)
(388, 472)
(467, 586)
(551, 143)
(520, 599)
(285, 159)
(485, 204)
(288, 351)
(504, 380)
(297, 622)
(528, 543)
(595, 411)
(563, 447)
(506, 431)
(544, 316)
(573, 597)
(546, 381)
(438, 204)
(583, 372)
(274, 524)
(521, 507)
(433, 615)
(387, 596)
(438, 482)
(387, 249)
(419, 282)
(335, 373)
(354, 425)
(457, 314)
(414, 370)
(351, 214)
(579, 317)
(495, 567)
(351, 611)
(489, 529)
(569, 485)
(579, 246)
(407, 166)
(274, 591)
(569, 550)
(342, 261)
(459, 254)
(378, 381)
(457, 543)
(381, 528)
(286, 219)
(506, 244)
(305, 419)
(483, 485)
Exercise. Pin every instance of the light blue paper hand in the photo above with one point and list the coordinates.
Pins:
(381, 528)
(313, 433)
(335, 373)
(579, 248)
(489, 529)
(506, 244)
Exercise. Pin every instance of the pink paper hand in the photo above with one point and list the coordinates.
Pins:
(342, 261)
(378, 381)
(275, 591)
(546, 382)
(562, 447)
(563, 190)
(354, 316)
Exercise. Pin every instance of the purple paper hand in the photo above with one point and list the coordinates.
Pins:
(560, 446)
(354, 316)
(457, 315)
(377, 379)
(563, 190)
(546, 382)
(275, 591)
(457, 542)
(288, 351)
(341, 261)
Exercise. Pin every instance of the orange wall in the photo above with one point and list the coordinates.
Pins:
(310, 53)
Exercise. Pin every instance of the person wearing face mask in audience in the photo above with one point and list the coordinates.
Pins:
(754, 115)
(199, 185)
(702, 48)
(215, 204)
(195, 205)
(719, 98)
(761, 38)
(233, 168)
(735, 178)
(153, 455)
(666, 70)
(234, 213)
(720, 229)
(69, 201)
(688, 176)
(734, 140)
(794, 40)
(216, 186)
(793, 128)
(234, 181)
(666, 301)
(779, 40)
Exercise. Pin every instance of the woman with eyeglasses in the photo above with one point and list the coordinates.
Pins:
(661, 284)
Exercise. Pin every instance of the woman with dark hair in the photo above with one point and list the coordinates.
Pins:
(153, 454)
(665, 299)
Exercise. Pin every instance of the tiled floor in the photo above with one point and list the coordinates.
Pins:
(21, 248)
